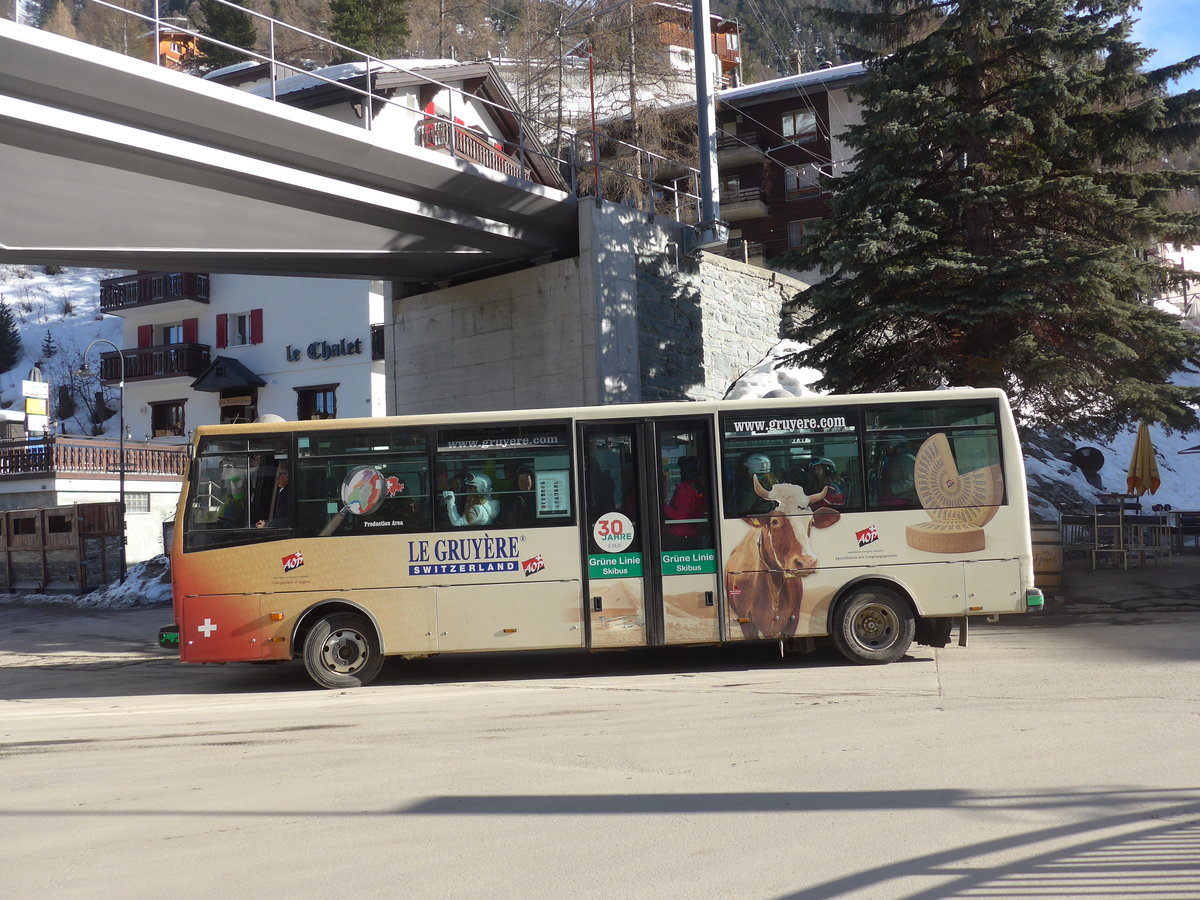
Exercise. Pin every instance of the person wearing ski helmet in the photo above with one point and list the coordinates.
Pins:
(479, 509)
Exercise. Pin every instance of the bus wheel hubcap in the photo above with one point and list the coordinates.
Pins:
(875, 626)
(345, 651)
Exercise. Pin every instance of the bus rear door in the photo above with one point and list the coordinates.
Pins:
(649, 535)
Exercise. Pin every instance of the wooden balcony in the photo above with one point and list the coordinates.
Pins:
(82, 457)
(163, 361)
(436, 134)
(148, 288)
(747, 203)
(738, 150)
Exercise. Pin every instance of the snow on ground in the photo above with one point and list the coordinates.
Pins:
(67, 306)
(146, 584)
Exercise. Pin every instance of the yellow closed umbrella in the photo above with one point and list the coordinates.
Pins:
(1143, 467)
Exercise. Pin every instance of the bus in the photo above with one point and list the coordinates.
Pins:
(868, 521)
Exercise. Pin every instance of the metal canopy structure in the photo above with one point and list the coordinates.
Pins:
(112, 162)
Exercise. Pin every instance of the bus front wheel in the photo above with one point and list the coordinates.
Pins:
(341, 651)
(873, 625)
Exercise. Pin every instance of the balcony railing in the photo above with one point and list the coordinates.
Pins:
(163, 361)
(436, 135)
(82, 457)
(152, 287)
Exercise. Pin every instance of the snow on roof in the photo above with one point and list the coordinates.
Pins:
(794, 82)
(236, 67)
(346, 71)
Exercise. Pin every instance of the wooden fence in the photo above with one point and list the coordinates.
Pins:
(60, 549)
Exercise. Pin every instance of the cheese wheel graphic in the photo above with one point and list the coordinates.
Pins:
(952, 498)
(944, 537)
(958, 505)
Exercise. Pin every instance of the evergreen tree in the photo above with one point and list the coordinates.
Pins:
(377, 27)
(229, 25)
(49, 346)
(1007, 180)
(10, 339)
(60, 19)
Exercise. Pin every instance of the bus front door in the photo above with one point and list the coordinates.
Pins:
(648, 529)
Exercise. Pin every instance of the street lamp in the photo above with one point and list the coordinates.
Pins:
(84, 372)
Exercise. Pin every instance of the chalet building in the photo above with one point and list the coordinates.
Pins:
(176, 48)
(776, 139)
(202, 349)
(461, 109)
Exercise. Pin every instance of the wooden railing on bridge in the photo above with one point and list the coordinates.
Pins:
(81, 457)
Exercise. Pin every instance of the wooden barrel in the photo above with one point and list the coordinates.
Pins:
(1047, 558)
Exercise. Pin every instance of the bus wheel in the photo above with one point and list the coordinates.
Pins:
(341, 651)
(873, 625)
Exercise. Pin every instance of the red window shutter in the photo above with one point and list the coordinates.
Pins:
(256, 336)
(222, 330)
(145, 336)
(191, 331)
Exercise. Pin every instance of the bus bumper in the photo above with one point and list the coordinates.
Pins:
(168, 637)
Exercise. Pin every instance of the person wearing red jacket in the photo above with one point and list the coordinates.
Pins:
(686, 514)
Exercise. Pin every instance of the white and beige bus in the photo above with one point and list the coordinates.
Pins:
(871, 520)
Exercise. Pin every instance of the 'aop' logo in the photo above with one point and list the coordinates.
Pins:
(533, 566)
(867, 536)
(293, 561)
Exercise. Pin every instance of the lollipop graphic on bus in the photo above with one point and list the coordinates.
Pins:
(363, 490)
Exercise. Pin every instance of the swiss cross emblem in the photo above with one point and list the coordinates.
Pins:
(533, 566)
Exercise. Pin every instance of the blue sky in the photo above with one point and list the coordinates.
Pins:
(1172, 27)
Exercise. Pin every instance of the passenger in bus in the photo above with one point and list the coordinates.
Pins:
(749, 503)
(234, 513)
(823, 474)
(517, 509)
(898, 487)
(688, 504)
(280, 514)
(479, 509)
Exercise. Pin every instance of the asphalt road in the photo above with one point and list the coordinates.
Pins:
(1051, 757)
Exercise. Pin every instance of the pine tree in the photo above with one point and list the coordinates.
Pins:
(60, 20)
(1007, 180)
(377, 27)
(49, 346)
(10, 339)
(229, 25)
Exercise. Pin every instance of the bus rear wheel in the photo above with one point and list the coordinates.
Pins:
(342, 651)
(873, 625)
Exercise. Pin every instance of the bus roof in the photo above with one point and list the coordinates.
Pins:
(614, 411)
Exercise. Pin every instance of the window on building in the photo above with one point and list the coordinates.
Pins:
(800, 125)
(183, 332)
(238, 405)
(137, 502)
(166, 418)
(318, 401)
(801, 230)
(802, 181)
(239, 329)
